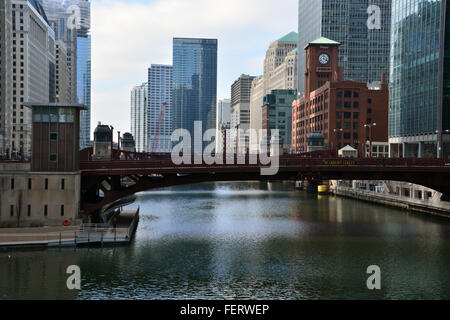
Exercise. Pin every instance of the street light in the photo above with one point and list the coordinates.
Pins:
(335, 132)
(441, 142)
(370, 126)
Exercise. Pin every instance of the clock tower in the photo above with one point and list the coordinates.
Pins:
(321, 63)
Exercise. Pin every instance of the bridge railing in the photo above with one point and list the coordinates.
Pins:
(284, 161)
(123, 159)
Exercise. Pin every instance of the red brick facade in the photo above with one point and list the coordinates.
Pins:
(331, 103)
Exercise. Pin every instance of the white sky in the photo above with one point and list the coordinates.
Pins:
(130, 35)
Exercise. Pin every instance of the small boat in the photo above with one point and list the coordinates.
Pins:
(299, 185)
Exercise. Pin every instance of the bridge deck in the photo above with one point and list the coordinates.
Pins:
(288, 164)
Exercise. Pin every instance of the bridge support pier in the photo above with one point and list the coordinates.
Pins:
(421, 149)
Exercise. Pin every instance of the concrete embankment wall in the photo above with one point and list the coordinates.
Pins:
(390, 200)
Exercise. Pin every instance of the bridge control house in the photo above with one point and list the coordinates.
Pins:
(45, 192)
(343, 111)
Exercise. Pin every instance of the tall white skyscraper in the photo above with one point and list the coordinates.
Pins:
(28, 50)
(160, 87)
(5, 77)
(139, 117)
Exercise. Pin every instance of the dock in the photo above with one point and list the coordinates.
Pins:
(119, 231)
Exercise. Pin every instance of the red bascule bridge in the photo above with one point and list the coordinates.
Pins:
(104, 182)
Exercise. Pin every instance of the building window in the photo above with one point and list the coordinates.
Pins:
(12, 184)
(11, 210)
(29, 184)
(62, 210)
(46, 184)
(348, 94)
(53, 136)
(53, 158)
(45, 210)
(63, 184)
(29, 210)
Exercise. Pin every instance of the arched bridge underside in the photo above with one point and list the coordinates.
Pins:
(105, 182)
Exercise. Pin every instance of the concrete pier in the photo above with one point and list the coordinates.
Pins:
(120, 233)
(430, 206)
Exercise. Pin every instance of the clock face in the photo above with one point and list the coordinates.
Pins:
(324, 58)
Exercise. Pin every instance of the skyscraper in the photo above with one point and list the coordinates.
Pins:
(62, 74)
(84, 88)
(139, 117)
(419, 78)
(71, 20)
(5, 76)
(194, 83)
(240, 113)
(65, 30)
(160, 123)
(280, 72)
(31, 46)
(364, 51)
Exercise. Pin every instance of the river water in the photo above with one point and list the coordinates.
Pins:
(247, 241)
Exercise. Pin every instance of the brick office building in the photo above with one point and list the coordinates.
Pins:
(338, 109)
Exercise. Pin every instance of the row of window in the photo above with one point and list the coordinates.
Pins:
(12, 210)
(30, 183)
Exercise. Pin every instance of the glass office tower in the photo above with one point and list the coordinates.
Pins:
(84, 88)
(194, 83)
(419, 78)
(364, 52)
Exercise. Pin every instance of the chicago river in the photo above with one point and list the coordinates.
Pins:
(247, 241)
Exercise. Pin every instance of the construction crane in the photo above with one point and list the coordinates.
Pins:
(161, 118)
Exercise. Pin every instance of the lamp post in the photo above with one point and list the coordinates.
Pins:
(441, 142)
(237, 138)
(336, 134)
(370, 126)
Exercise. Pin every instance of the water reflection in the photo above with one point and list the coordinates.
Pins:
(249, 241)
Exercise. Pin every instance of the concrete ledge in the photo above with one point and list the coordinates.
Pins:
(391, 201)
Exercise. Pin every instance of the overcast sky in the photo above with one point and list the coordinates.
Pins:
(130, 35)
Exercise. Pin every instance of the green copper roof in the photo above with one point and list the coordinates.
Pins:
(323, 40)
(290, 37)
